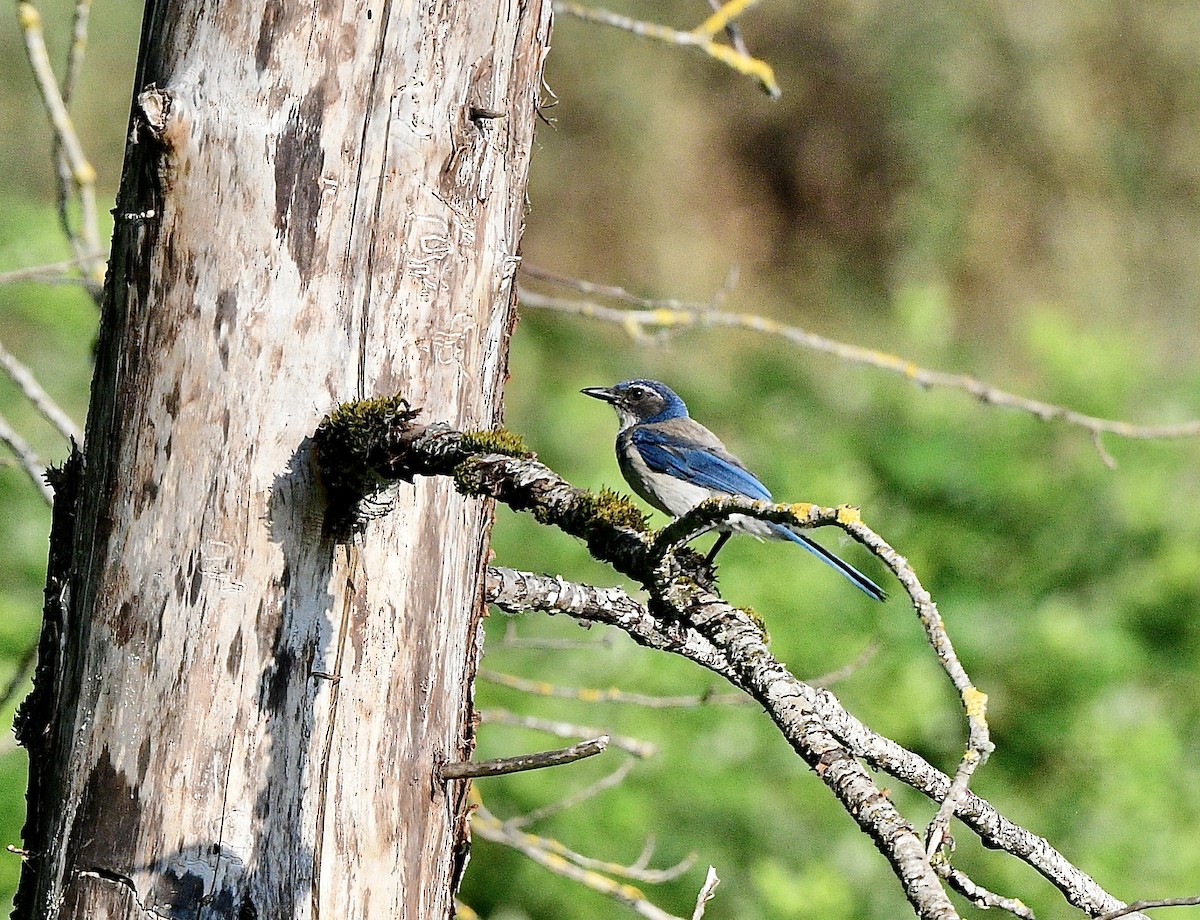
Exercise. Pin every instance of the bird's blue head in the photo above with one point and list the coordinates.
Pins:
(638, 401)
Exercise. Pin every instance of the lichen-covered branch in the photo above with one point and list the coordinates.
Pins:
(713, 512)
(993, 829)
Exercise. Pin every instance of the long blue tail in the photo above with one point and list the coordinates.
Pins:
(857, 578)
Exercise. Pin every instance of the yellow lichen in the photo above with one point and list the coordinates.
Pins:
(802, 510)
(974, 702)
(28, 16)
(848, 514)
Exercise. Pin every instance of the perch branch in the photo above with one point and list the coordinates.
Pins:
(712, 512)
(51, 273)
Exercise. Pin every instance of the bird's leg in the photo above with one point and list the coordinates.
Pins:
(712, 553)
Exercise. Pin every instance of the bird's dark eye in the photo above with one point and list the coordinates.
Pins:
(637, 393)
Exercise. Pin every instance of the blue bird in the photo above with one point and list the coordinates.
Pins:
(675, 463)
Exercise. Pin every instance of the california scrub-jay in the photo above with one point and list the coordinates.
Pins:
(675, 463)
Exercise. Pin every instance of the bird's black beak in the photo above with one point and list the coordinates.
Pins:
(603, 393)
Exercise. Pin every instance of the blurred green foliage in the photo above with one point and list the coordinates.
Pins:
(1011, 190)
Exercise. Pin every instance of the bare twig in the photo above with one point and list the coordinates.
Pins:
(664, 318)
(702, 37)
(510, 639)
(27, 459)
(23, 377)
(570, 801)
(52, 273)
(74, 169)
(79, 39)
(732, 30)
(839, 674)
(980, 896)
(634, 746)
(1147, 905)
(707, 890)
(470, 769)
(610, 694)
(558, 859)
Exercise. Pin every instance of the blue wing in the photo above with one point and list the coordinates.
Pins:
(692, 460)
(686, 450)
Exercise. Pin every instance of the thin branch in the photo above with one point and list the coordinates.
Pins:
(585, 604)
(1147, 905)
(27, 459)
(79, 34)
(75, 170)
(667, 318)
(570, 801)
(610, 694)
(79, 40)
(553, 856)
(732, 30)
(839, 674)
(510, 639)
(23, 377)
(707, 890)
(702, 37)
(635, 746)
(52, 273)
(472, 769)
(980, 896)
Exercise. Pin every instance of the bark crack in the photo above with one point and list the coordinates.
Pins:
(122, 881)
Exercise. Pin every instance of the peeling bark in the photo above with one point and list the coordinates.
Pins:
(244, 718)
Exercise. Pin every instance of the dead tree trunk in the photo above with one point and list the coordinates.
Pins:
(234, 715)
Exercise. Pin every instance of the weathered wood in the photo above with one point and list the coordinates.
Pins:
(320, 202)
